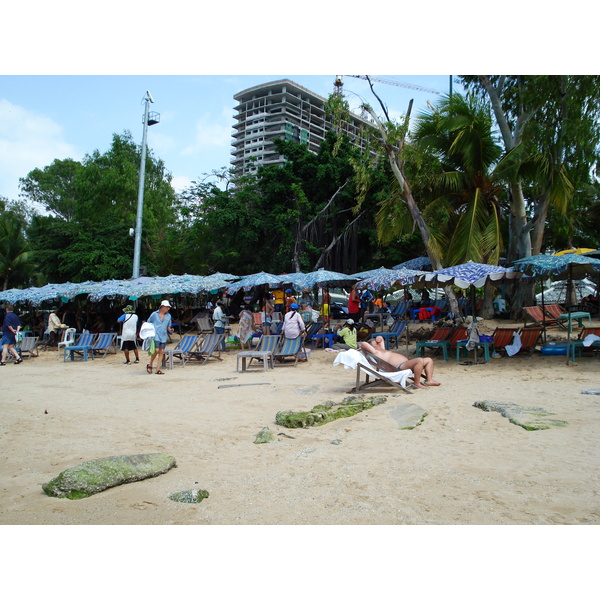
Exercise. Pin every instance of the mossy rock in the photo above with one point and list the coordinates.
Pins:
(97, 475)
(528, 417)
(193, 496)
(327, 412)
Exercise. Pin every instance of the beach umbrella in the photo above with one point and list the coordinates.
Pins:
(575, 251)
(469, 274)
(251, 281)
(383, 279)
(415, 263)
(568, 266)
(325, 278)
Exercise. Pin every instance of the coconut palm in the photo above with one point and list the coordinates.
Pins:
(15, 258)
(466, 187)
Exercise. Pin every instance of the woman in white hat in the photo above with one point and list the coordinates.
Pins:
(161, 319)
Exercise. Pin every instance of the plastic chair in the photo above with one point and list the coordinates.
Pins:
(68, 340)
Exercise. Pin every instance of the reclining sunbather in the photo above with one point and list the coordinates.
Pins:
(416, 365)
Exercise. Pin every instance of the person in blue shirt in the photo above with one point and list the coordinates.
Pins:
(161, 319)
(10, 328)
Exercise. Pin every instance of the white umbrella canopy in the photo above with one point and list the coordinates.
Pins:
(469, 274)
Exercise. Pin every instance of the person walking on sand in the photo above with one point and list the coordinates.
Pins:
(10, 328)
(161, 319)
(129, 334)
(416, 365)
(220, 321)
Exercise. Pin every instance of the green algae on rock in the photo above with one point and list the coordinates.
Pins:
(193, 496)
(528, 417)
(94, 476)
(327, 412)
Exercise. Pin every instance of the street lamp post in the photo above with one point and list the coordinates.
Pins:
(149, 119)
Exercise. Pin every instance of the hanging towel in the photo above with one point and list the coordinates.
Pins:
(513, 348)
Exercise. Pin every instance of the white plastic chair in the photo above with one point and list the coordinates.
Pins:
(68, 340)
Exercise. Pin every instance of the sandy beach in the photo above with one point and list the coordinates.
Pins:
(460, 466)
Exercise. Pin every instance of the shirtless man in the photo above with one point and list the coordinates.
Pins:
(416, 365)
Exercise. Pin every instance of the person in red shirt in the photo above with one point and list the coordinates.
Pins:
(353, 304)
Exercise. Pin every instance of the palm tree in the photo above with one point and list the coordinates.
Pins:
(466, 188)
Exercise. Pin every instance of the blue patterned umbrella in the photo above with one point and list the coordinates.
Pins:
(254, 280)
(467, 274)
(576, 266)
(414, 263)
(383, 279)
(324, 278)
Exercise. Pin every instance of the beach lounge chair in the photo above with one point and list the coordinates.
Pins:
(103, 344)
(204, 324)
(276, 327)
(207, 348)
(536, 314)
(530, 338)
(311, 331)
(186, 344)
(68, 340)
(263, 352)
(503, 336)
(394, 333)
(553, 312)
(577, 346)
(290, 348)
(28, 345)
(399, 310)
(438, 339)
(377, 372)
(83, 344)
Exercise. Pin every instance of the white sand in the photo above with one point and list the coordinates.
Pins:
(460, 466)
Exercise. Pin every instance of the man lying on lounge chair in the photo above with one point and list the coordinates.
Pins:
(416, 365)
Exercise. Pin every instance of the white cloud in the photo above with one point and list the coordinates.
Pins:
(211, 131)
(180, 182)
(28, 140)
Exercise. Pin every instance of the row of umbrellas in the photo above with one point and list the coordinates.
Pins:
(564, 266)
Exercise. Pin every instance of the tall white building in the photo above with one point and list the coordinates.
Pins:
(280, 109)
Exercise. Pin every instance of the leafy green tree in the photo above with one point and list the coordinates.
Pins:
(54, 187)
(16, 266)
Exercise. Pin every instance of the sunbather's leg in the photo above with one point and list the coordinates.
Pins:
(418, 366)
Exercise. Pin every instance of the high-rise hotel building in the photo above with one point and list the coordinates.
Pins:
(280, 109)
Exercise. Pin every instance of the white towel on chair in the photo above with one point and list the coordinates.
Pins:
(351, 358)
(512, 349)
(590, 339)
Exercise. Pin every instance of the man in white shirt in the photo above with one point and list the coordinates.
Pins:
(220, 320)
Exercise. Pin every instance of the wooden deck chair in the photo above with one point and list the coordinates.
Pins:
(207, 348)
(530, 338)
(536, 314)
(394, 333)
(577, 346)
(503, 336)
(28, 345)
(438, 340)
(186, 344)
(553, 312)
(290, 348)
(103, 344)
